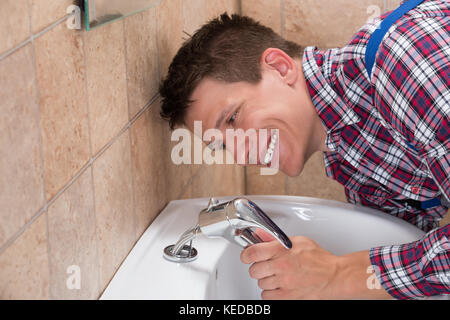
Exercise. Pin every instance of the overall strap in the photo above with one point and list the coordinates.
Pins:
(371, 52)
(378, 35)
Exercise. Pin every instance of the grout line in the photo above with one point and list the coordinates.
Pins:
(11, 240)
(97, 255)
(152, 101)
(126, 67)
(71, 181)
(129, 132)
(125, 128)
(189, 182)
(44, 192)
(51, 26)
(16, 48)
(96, 233)
(38, 115)
(86, 88)
(35, 36)
(132, 185)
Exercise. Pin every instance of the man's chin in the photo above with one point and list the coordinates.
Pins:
(292, 170)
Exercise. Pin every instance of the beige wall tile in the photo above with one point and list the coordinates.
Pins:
(194, 15)
(267, 12)
(238, 173)
(218, 180)
(72, 241)
(150, 191)
(217, 7)
(106, 83)
(14, 23)
(45, 12)
(313, 182)
(392, 4)
(24, 272)
(326, 23)
(266, 185)
(446, 219)
(62, 105)
(114, 209)
(142, 59)
(21, 184)
(198, 12)
(178, 176)
(170, 32)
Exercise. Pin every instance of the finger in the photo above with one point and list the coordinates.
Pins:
(260, 252)
(269, 283)
(276, 294)
(260, 270)
(264, 235)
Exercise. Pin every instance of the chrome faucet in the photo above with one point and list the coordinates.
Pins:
(235, 220)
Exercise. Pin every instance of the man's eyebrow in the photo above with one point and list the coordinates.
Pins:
(224, 114)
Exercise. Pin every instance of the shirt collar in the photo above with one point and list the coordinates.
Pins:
(332, 110)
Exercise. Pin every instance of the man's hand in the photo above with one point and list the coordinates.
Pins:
(307, 271)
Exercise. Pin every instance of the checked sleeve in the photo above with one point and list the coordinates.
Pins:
(415, 270)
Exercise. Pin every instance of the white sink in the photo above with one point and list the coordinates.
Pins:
(218, 273)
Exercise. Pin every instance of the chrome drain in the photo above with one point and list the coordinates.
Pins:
(186, 254)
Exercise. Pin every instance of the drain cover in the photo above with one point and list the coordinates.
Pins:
(187, 254)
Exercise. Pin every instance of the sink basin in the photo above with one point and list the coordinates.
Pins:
(217, 273)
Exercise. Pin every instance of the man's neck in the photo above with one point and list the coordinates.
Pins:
(318, 132)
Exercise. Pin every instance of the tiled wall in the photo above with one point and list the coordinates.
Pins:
(84, 156)
(321, 23)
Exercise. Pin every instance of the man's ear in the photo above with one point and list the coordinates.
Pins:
(276, 59)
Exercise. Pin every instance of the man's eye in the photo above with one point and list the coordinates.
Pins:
(232, 118)
(216, 146)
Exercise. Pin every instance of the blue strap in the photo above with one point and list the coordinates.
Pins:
(371, 52)
(431, 203)
(378, 34)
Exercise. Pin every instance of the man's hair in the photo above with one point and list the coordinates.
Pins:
(225, 49)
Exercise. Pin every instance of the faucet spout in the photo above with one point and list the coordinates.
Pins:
(237, 221)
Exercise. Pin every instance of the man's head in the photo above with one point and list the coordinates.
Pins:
(236, 73)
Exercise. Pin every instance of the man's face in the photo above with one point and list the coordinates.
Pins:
(273, 103)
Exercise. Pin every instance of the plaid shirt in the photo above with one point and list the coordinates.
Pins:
(390, 136)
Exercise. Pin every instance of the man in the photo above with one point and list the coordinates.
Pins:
(385, 136)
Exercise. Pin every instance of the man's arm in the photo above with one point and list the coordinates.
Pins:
(418, 269)
(307, 271)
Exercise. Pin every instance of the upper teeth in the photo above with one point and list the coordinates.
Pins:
(269, 153)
